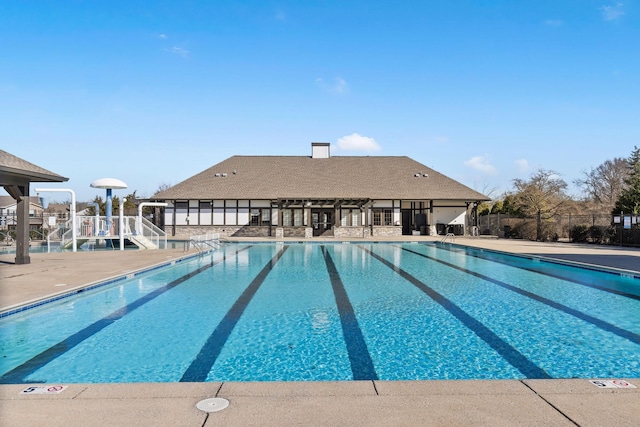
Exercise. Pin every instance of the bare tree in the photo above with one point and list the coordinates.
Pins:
(542, 196)
(604, 184)
(162, 187)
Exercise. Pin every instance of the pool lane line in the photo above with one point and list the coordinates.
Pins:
(361, 364)
(199, 368)
(623, 333)
(519, 361)
(18, 374)
(555, 276)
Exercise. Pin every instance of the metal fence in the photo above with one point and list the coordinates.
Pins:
(588, 228)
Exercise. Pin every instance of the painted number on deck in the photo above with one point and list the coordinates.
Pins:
(612, 384)
(44, 389)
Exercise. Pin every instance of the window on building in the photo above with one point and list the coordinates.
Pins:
(260, 217)
(266, 216)
(355, 217)
(383, 217)
(292, 217)
(205, 208)
(388, 217)
(256, 217)
(182, 213)
(286, 218)
(350, 217)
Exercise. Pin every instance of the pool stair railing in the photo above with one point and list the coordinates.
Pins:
(448, 236)
(139, 231)
(204, 242)
(6, 238)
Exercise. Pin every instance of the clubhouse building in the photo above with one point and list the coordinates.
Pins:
(318, 195)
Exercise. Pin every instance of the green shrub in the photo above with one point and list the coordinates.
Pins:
(579, 233)
(596, 234)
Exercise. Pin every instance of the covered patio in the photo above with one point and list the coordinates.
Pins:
(16, 175)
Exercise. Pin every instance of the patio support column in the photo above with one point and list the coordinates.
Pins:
(22, 226)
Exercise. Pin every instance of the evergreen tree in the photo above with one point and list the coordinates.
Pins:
(629, 200)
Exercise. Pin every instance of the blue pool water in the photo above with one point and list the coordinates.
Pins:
(285, 312)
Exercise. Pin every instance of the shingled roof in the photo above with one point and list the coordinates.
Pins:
(299, 177)
(14, 168)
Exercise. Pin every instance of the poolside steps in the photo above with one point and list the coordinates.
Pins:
(69, 244)
(142, 242)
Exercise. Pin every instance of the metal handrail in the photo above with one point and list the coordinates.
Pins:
(211, 240)
(94, 227)
(7, 237)
(448, 236)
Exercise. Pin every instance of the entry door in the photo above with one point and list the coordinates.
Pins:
(322, 220)
(406, 222)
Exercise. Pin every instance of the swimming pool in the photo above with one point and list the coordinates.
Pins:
(285, 312)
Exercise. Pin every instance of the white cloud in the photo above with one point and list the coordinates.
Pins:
(611, 13)
(339, 85)
(523, 165)
(179, 51)
(481, 164)
(358, 142)
(162, 36)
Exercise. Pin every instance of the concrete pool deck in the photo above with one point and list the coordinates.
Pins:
(389, 403)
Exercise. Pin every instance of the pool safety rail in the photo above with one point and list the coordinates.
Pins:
(6, 239)
(448, 236)
(139, 231)
(204, 242)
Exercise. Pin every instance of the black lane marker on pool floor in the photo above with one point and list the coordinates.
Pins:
(18, 374)
(486, 257)
(631, 336)
(359, 356)
(202, 364)
(510, 354)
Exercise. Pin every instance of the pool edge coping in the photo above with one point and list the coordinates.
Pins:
(56, 296)
(587, 266)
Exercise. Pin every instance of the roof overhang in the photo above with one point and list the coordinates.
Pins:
(12, 176)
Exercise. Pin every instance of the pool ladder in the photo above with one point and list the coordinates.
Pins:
(449, 236)
(203, 246)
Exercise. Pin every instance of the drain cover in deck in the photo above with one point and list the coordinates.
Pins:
(214, 404)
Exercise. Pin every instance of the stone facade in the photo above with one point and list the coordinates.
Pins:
(387, 231)
(295, 232)
(184, 231)
(342, 232)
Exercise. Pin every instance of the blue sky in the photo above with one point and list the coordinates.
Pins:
(152, 92)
